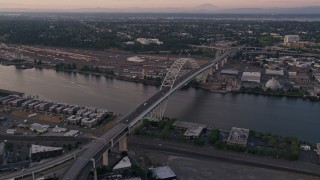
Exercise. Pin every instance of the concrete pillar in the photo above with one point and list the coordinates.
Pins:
(210, 71)
(222, 63)
(95, 175)
(105, 158)
(225, 60)
(123, 144)
(217, 67)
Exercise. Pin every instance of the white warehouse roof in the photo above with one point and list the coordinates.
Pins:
(251, 77)
(39, 148)
(274, 72)
(163, 172)
(135, 59)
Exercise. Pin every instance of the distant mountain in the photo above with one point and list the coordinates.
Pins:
(297, 10)
(201, 9)
(205, 8)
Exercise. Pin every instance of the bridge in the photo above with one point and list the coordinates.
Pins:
(152, 107)
(84, 160)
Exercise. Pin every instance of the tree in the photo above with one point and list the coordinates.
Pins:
(214, 136)
(74, 66)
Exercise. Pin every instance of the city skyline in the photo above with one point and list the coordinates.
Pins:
(226, 4)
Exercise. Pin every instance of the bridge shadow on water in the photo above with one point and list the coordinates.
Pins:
(190, 106)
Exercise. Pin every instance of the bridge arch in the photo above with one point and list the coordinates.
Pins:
(175, 69)
(170, 80)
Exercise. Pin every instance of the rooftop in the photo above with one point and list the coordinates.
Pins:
(38, 148)
(238, 136)
(193, 131)
(163, 172)
(72, 133)
(124, 163)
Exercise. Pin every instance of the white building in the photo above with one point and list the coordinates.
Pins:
(251, 77)
(123, 164)
(58, 129)
(274, 72)
(11, 131)
(72, 133)
(291, 38)
(273, 84)
(39, 128)
(163, 172)
(135, 59)
(146, 41)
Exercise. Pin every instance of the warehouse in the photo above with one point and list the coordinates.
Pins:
(251, 77)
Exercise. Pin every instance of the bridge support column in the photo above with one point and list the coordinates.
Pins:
(105, 158)
(211, 71)
(123, 144)
(95, 175)
(225, 60)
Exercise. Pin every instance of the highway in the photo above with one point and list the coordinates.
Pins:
(43, 138)
(43, 166)
(207, 153)
(82, 164)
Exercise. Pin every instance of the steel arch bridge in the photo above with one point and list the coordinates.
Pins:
(95, 150)
(170, 80)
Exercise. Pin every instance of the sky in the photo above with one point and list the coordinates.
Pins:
(222, 4)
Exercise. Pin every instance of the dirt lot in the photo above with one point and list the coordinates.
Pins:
(39, 117)
(188, 168)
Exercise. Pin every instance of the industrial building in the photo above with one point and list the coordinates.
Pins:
(274, 72)
(72, 133)
(229, 72)
(238, 136)
(163, 173)
(38, 152)
(39, 128)
(291, 38)
(146, 41)
(251, 77)
(135, 59)
(11, 131)
(273, 84)
(193, 132)
(58, 129)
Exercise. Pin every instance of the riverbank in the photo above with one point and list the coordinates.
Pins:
(4, 92)
(249, 141)
(158, 82)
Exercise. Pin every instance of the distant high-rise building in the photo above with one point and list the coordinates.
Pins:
(291, 38)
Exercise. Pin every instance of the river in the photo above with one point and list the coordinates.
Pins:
(278, 115)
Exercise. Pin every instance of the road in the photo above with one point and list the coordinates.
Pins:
(43, 166)
(189, 150)
(44, 138)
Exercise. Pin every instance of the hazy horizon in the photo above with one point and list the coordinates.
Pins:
(221, 4)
